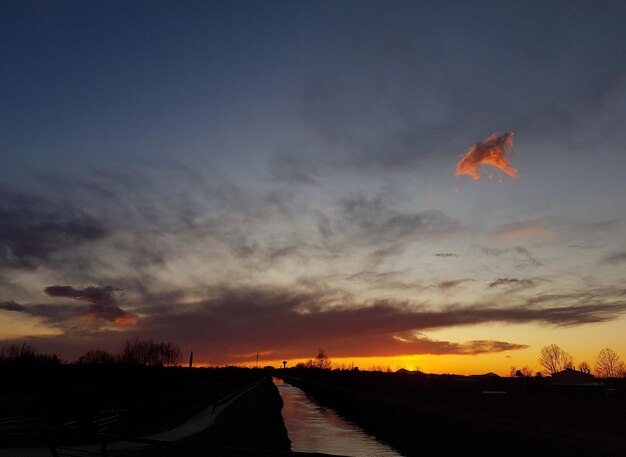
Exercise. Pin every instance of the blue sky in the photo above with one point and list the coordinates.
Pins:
(190, 161)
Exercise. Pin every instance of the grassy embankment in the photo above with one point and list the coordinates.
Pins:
(439, 415)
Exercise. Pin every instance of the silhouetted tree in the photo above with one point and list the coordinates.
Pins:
(13, 352)
(148, 352)
(555, 359)
(584, 367)
(609, 365)
(97, 357)
(322, 361)
(25, 353)
(523, 373)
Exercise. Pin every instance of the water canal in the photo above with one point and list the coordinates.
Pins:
(316, 428)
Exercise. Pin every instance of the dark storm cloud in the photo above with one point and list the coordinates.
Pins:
(102, 301)
(614, 259)
(34, 229)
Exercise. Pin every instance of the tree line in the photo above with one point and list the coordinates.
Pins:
(554, 359)
(321, 361)
(134, 352)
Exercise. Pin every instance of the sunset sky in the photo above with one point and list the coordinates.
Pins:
(244, 178)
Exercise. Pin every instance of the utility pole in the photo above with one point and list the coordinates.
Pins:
(191, 360)
(257, 360)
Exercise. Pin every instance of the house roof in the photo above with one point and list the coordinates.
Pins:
(570, 376)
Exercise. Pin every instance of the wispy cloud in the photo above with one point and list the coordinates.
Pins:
(512, 282)
(521, 256)
(614, 258)
(452, 284)
(34, 229)
(522, 231)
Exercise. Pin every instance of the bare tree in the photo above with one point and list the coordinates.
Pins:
(322, 361)
(14, 352)
(148, 352)
(96, 357)
(609, 365)
(584, 367)
(526, 372)
(555, 359)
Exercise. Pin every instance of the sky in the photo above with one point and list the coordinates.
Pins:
(243, 178)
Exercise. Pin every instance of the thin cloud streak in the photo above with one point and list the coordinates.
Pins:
(614, 259)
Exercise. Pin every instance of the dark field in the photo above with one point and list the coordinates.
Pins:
(417, 414)
(146, 399)
(251, 426)
(448, 415)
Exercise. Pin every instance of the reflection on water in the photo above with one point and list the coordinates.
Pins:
(315, 428)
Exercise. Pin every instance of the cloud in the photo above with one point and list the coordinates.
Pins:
(11, 306)
(490, 152)
(374, 221)
(512, 282)
(614, 259)
(522, 231)
(102, 302)
(521, 256)
(286, 323)
(230, 324)
(34, 229)
(452, 284)
(292, 171)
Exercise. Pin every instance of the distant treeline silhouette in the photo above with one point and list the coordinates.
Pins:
(22, 352)
(134, 352)
(148, 352)
(321, 361)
